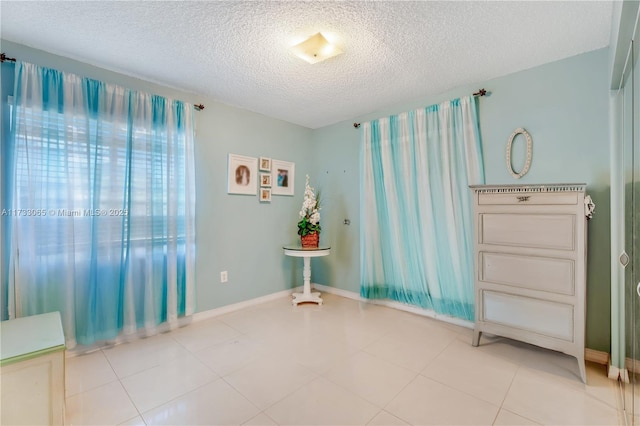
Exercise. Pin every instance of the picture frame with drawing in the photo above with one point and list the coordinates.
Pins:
(265, 195)
(282, 177)
(242, 175)
(265, 164)
(265, 180)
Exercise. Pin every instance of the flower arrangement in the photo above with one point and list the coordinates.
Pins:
(310, 213)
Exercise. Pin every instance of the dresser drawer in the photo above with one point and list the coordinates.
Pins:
(528, 198)
(546, 231)
(533, 272)
(528, 314)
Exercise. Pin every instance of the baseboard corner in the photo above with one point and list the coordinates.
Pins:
(599, 357)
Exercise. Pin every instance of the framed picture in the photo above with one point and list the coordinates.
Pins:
(265, 194)
(265, 164)
(265, 179)
(282, 177)
(242, 175)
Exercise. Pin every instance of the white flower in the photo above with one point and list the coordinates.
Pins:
(310, 208)
(315, 217)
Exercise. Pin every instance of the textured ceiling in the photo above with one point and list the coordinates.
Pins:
(237, 52)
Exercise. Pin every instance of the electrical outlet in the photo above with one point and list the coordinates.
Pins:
(224, 277)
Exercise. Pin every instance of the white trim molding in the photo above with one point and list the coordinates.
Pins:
(592, 355)
(212, 313)
(182, 321)
(395, 305)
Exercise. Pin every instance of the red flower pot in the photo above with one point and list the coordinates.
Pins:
(310, 240)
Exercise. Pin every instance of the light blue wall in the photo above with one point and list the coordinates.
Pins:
(234, 232)
(563, 105)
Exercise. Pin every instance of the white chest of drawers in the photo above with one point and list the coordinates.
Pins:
(530, 257)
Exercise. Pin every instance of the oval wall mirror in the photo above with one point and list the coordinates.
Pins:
(527, 163)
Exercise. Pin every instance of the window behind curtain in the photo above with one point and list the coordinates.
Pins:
(101, 205)
(48, 163)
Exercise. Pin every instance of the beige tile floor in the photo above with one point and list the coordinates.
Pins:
(343, 363)
(632, 400)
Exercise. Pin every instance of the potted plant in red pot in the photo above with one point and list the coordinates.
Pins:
(309, 224)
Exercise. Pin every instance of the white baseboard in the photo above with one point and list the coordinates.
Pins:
(182, 321)
(211, 313)
(590, 354)
(333, 290)
(396, 305)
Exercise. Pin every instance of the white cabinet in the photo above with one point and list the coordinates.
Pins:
(530, 257)
(32, 370)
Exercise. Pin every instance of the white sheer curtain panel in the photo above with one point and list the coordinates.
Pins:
(106, 175)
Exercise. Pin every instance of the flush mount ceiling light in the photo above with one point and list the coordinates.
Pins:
(315, 49)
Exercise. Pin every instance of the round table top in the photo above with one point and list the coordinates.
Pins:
(298, 251)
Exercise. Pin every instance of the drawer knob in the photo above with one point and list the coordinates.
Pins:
(523, 198)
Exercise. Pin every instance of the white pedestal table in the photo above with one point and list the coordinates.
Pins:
(306, 254)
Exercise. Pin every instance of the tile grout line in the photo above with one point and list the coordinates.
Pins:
(88, 389)
(500, 408)
(323, 375)
(140, 413)
(461, 391)
(123, 387)
(177, 397)
(272, 404)
(395, 396)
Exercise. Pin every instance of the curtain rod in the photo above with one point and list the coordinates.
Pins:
(481, 92)
(5, 58)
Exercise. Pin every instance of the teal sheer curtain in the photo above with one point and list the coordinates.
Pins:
(416, 211)
(101, 205)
